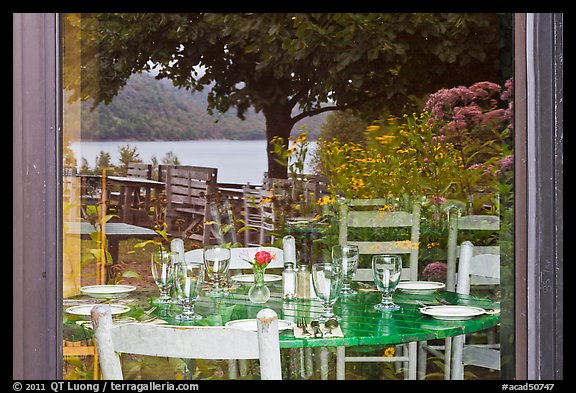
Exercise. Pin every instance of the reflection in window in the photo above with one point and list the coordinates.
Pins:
(402, 107)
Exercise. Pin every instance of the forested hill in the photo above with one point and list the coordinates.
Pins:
(150, 109)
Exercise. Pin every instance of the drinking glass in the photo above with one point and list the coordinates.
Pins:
(347, 257)
(216, 261)
(327, 279)
(189, 278)
(387, 270)
(162, 272)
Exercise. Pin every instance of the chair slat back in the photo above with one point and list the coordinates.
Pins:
(354, 214)
(239, 255)
(139, 169)
(458, 223)
(206, 342)
(188, 191)
(479, 269)
(189, 342)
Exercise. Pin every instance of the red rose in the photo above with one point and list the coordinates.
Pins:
(263, 257)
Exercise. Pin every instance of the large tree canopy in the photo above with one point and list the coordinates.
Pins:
(290, 66)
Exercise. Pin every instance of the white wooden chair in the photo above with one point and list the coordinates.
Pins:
(456, 225)
(474, 269)
(193, 342)
(358, 213)
(258, 216)
(238, 256)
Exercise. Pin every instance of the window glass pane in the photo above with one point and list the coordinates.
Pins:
(286, 117)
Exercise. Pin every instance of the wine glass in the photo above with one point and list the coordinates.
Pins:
(189, 278)
(162, 272)
(346, 256)
(327, 279)
(387, 270)
(216, 261)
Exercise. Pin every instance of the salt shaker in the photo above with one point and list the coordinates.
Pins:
(177, 247)
(303, 282)
(289, 274)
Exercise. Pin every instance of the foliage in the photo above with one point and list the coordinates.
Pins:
(275, 63)
(344, 126)
(454, 152)
(127, 155)
(150, 109)
(457, 155)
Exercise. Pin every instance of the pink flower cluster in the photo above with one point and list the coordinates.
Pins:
(466, 108)
(435, 270)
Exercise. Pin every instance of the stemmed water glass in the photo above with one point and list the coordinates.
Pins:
(327, 279)
(216, 261)
(162, 272)
(189, 277)
(387, 270)
(346, 256)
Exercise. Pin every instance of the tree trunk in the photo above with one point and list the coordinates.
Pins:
(279, 123)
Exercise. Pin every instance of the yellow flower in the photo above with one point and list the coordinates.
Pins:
(389, 352)
(301, 138)
(265, 200)
(372, 128)
(325, 201)
(384, 139)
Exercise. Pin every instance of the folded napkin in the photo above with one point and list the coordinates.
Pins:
(336, 332)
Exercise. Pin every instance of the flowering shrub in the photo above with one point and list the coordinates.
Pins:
(457, 152)
(406, 159)
(435, 271)
(454, 150)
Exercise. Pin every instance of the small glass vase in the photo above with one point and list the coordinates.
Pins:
(259, 292)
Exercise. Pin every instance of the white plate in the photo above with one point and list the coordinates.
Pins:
(250, 324)
(87, 308)
(107, 291)
(417, 287)
(452, 313)
(249, 278)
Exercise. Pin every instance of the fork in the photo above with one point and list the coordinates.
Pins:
(302, 324)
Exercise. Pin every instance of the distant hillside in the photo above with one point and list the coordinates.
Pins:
(150, 109)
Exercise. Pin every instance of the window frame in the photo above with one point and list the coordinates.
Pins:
(37, 191)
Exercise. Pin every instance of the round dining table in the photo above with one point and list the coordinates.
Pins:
(360, 323)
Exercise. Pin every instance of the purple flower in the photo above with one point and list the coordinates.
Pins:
(438, 200)
(508, 93)
(506, 162)
(435, 270)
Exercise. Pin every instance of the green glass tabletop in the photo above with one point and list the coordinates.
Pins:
(360, 323)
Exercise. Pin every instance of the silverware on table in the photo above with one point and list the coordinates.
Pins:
(316, 328)
(302, 324)
(330, 324)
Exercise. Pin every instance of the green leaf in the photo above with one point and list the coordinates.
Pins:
(130, 274)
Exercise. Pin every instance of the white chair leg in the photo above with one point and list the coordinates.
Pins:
(302, 364)
(422, 359)
(447, 357)
(232, 369)
(457, 366)
(323, 354)
(412, 356)
(340, 363)
(243, 367)
(308, 362)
